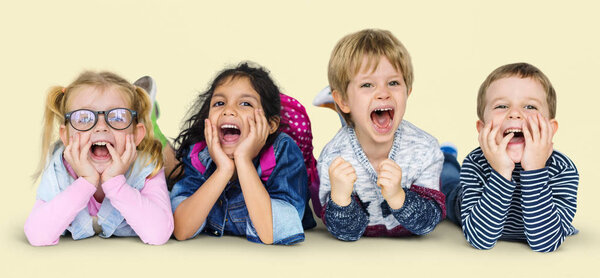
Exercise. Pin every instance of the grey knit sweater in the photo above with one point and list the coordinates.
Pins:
(420, 158)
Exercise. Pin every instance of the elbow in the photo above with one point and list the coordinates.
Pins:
(182, 233)
(158, 237)
(36, 237)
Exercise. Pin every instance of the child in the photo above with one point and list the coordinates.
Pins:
(105, 174)
(379, 174)
(241, 175)
(515, 186)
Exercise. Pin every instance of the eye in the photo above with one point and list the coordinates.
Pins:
(116, 118)
(218, 103)
(245, 103)
(394, 83)
(500, 106)
(366, 85)
(530, 107)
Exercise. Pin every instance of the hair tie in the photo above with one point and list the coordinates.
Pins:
(63, 90)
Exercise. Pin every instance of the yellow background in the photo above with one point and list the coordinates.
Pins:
(454, 45)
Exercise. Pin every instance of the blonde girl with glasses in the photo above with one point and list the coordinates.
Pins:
(105, 175)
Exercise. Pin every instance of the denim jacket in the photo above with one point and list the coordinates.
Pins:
(286, 185)
(56, 179)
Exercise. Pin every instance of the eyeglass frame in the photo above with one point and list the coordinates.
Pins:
(96, 113)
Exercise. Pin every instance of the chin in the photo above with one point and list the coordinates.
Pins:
(516, 155)
(100, 168)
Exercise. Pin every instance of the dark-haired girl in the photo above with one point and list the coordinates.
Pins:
(241, 176)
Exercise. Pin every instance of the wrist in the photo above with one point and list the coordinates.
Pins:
(94, 180)
(341, 200)
(397, 200)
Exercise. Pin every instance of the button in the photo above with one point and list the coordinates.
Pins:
(216, 233)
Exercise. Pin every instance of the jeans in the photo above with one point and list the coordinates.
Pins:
(450, 186)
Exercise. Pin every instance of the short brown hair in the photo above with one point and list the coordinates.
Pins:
(521, 70)
(347, 55)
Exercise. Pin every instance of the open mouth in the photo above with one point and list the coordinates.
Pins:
(230, 133)
(517, 137)
(382, 118)
(99, 151)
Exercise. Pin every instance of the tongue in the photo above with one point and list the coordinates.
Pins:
(381, 119)
(230, 137)
(101, 151)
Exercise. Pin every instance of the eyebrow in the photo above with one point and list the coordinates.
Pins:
(244, 95)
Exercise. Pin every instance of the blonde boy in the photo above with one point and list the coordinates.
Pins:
(379, 174)
(515, 186)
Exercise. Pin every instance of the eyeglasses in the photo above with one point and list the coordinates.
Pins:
(84, 119)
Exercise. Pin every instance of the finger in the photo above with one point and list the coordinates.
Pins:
(336, 162)
(483, 136)
(252, 125)
(85, 150)
(258, 119)
(543, 128)
(113, 153)
(76, 145)
(492, 136)
(207, 132)
(535, 128)
(526, 133)
(505, 141)
(128, 149)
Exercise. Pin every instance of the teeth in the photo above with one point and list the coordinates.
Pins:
(229, 126)
(100, 144)
(383, 109)
(512, 130)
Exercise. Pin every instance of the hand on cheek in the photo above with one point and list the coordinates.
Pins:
(538, 134)
(257, 136)
(342, 177)
(120, 163)
(223, 162)
(495, 153)
(390, 181)
(76, 153)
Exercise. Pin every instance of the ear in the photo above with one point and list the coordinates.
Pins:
(554, 125)
(63, 132)
(274, 124)
(479, 125)
(409, 91)
(139, 132)
(340, 101)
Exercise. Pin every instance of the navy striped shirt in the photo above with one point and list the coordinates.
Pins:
(537, 206)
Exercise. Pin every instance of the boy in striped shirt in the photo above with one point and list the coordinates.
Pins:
(515, 186)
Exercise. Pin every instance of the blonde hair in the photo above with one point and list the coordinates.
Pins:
(521, 70)
(56, 105)
(347, 56)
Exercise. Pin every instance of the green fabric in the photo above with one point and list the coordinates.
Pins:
(157, 133)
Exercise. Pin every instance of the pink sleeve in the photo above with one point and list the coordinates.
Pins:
(48, 220)
(148, 211)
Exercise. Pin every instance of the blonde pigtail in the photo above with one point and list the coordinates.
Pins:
(149, 144)
(52, 115)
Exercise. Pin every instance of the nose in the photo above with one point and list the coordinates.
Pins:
(228, 111)
(382, 93)
(101, 125)
(515, 114)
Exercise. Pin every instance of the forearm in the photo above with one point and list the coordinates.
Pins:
(484, 212)
(345, 223)
(48, 220)
(545, 227)
(419, 214)
(258, 201)
(148, 211)
(193, 211)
